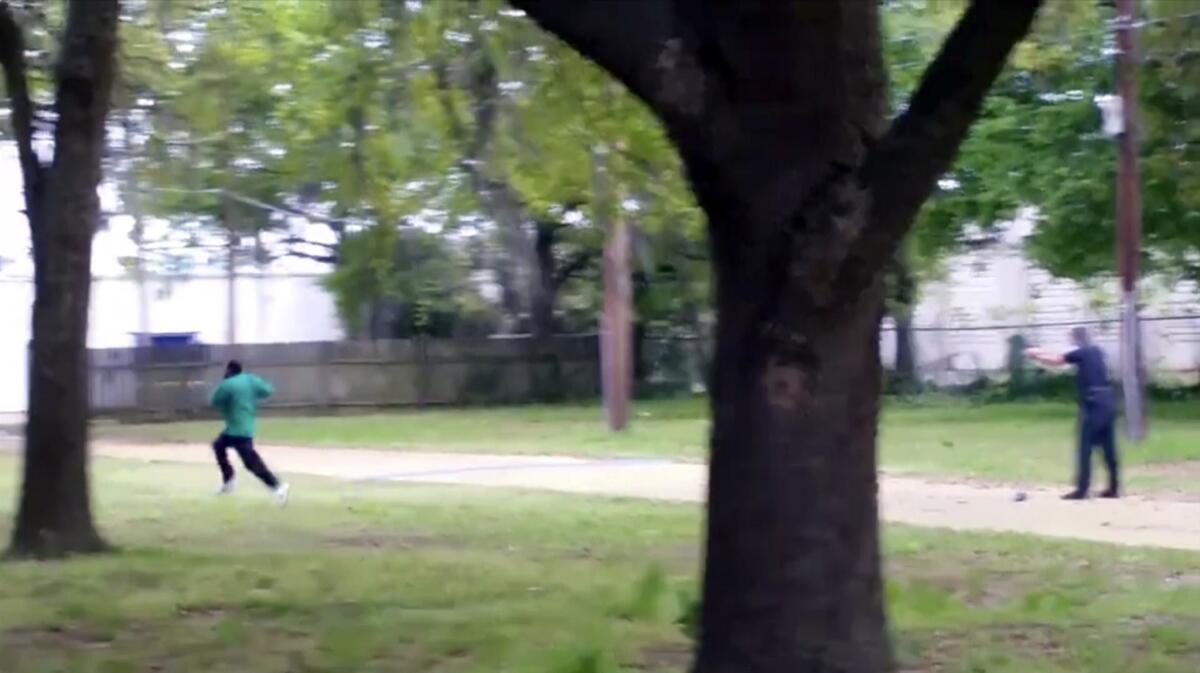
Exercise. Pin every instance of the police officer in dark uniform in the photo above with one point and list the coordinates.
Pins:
(1097, 410)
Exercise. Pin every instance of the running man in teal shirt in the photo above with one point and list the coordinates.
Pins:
(237, 399)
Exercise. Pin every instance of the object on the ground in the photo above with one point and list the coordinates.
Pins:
(1020, 496)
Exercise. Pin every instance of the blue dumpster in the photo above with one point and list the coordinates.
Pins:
(169, 348)
(168, 339)
(164, 339)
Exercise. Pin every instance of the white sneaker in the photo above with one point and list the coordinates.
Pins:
(225, 488)
(281, 494)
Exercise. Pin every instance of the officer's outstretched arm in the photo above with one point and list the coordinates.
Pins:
(1043, 358)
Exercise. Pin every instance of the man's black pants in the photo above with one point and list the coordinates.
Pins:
(1097, 427)
(250, 458)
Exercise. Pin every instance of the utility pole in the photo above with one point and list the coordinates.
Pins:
(616, 319)
(1129, 220)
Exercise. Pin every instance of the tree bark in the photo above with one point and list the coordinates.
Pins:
(54, 515)
(616, 318)
(518, 276)
(792, 579)
(545, 288)
(777, 109)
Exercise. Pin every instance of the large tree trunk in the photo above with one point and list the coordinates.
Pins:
(54, 516)
(777, 109)
(792, 578)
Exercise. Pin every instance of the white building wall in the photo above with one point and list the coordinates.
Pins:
(998, 286)
(270, 309)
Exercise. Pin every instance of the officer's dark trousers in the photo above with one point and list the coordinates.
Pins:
(1097, 427)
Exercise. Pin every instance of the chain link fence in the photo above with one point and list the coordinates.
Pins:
(962, 359)
(953, 358)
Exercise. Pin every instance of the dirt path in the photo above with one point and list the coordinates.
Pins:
(910, 500)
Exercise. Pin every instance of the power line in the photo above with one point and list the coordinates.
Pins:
(1034, 325)
(250, 201)
(1110, 28)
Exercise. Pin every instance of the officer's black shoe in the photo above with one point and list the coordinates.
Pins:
(1075, 495)
(1111, 493)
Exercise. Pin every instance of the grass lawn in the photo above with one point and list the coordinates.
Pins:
(1002, 441)
(403, 578)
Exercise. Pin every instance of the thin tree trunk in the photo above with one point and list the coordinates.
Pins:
(545, 284)
(902, 300)
(699, 350)
(54, 516)
(640, 284)
(616, 362)
(510, 296)
(641, 364)
(544, 293)
(906, 355)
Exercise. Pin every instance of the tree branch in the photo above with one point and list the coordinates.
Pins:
(296, 240)
(902, 169)
(324, 259)
(283, 210)
(331, 255)
(12, 59)
(482, 88)
(441, 77)
(633, 40)
(333, 222)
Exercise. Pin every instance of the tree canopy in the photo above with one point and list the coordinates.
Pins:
(466, 121)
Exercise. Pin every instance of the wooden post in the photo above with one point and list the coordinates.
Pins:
(616, 320)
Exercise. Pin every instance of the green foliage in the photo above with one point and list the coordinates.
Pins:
(414, 273)
(402, 109)
(429, 110)
(1038, 143)
(585, 660)
(652, 599)
(689, 618)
